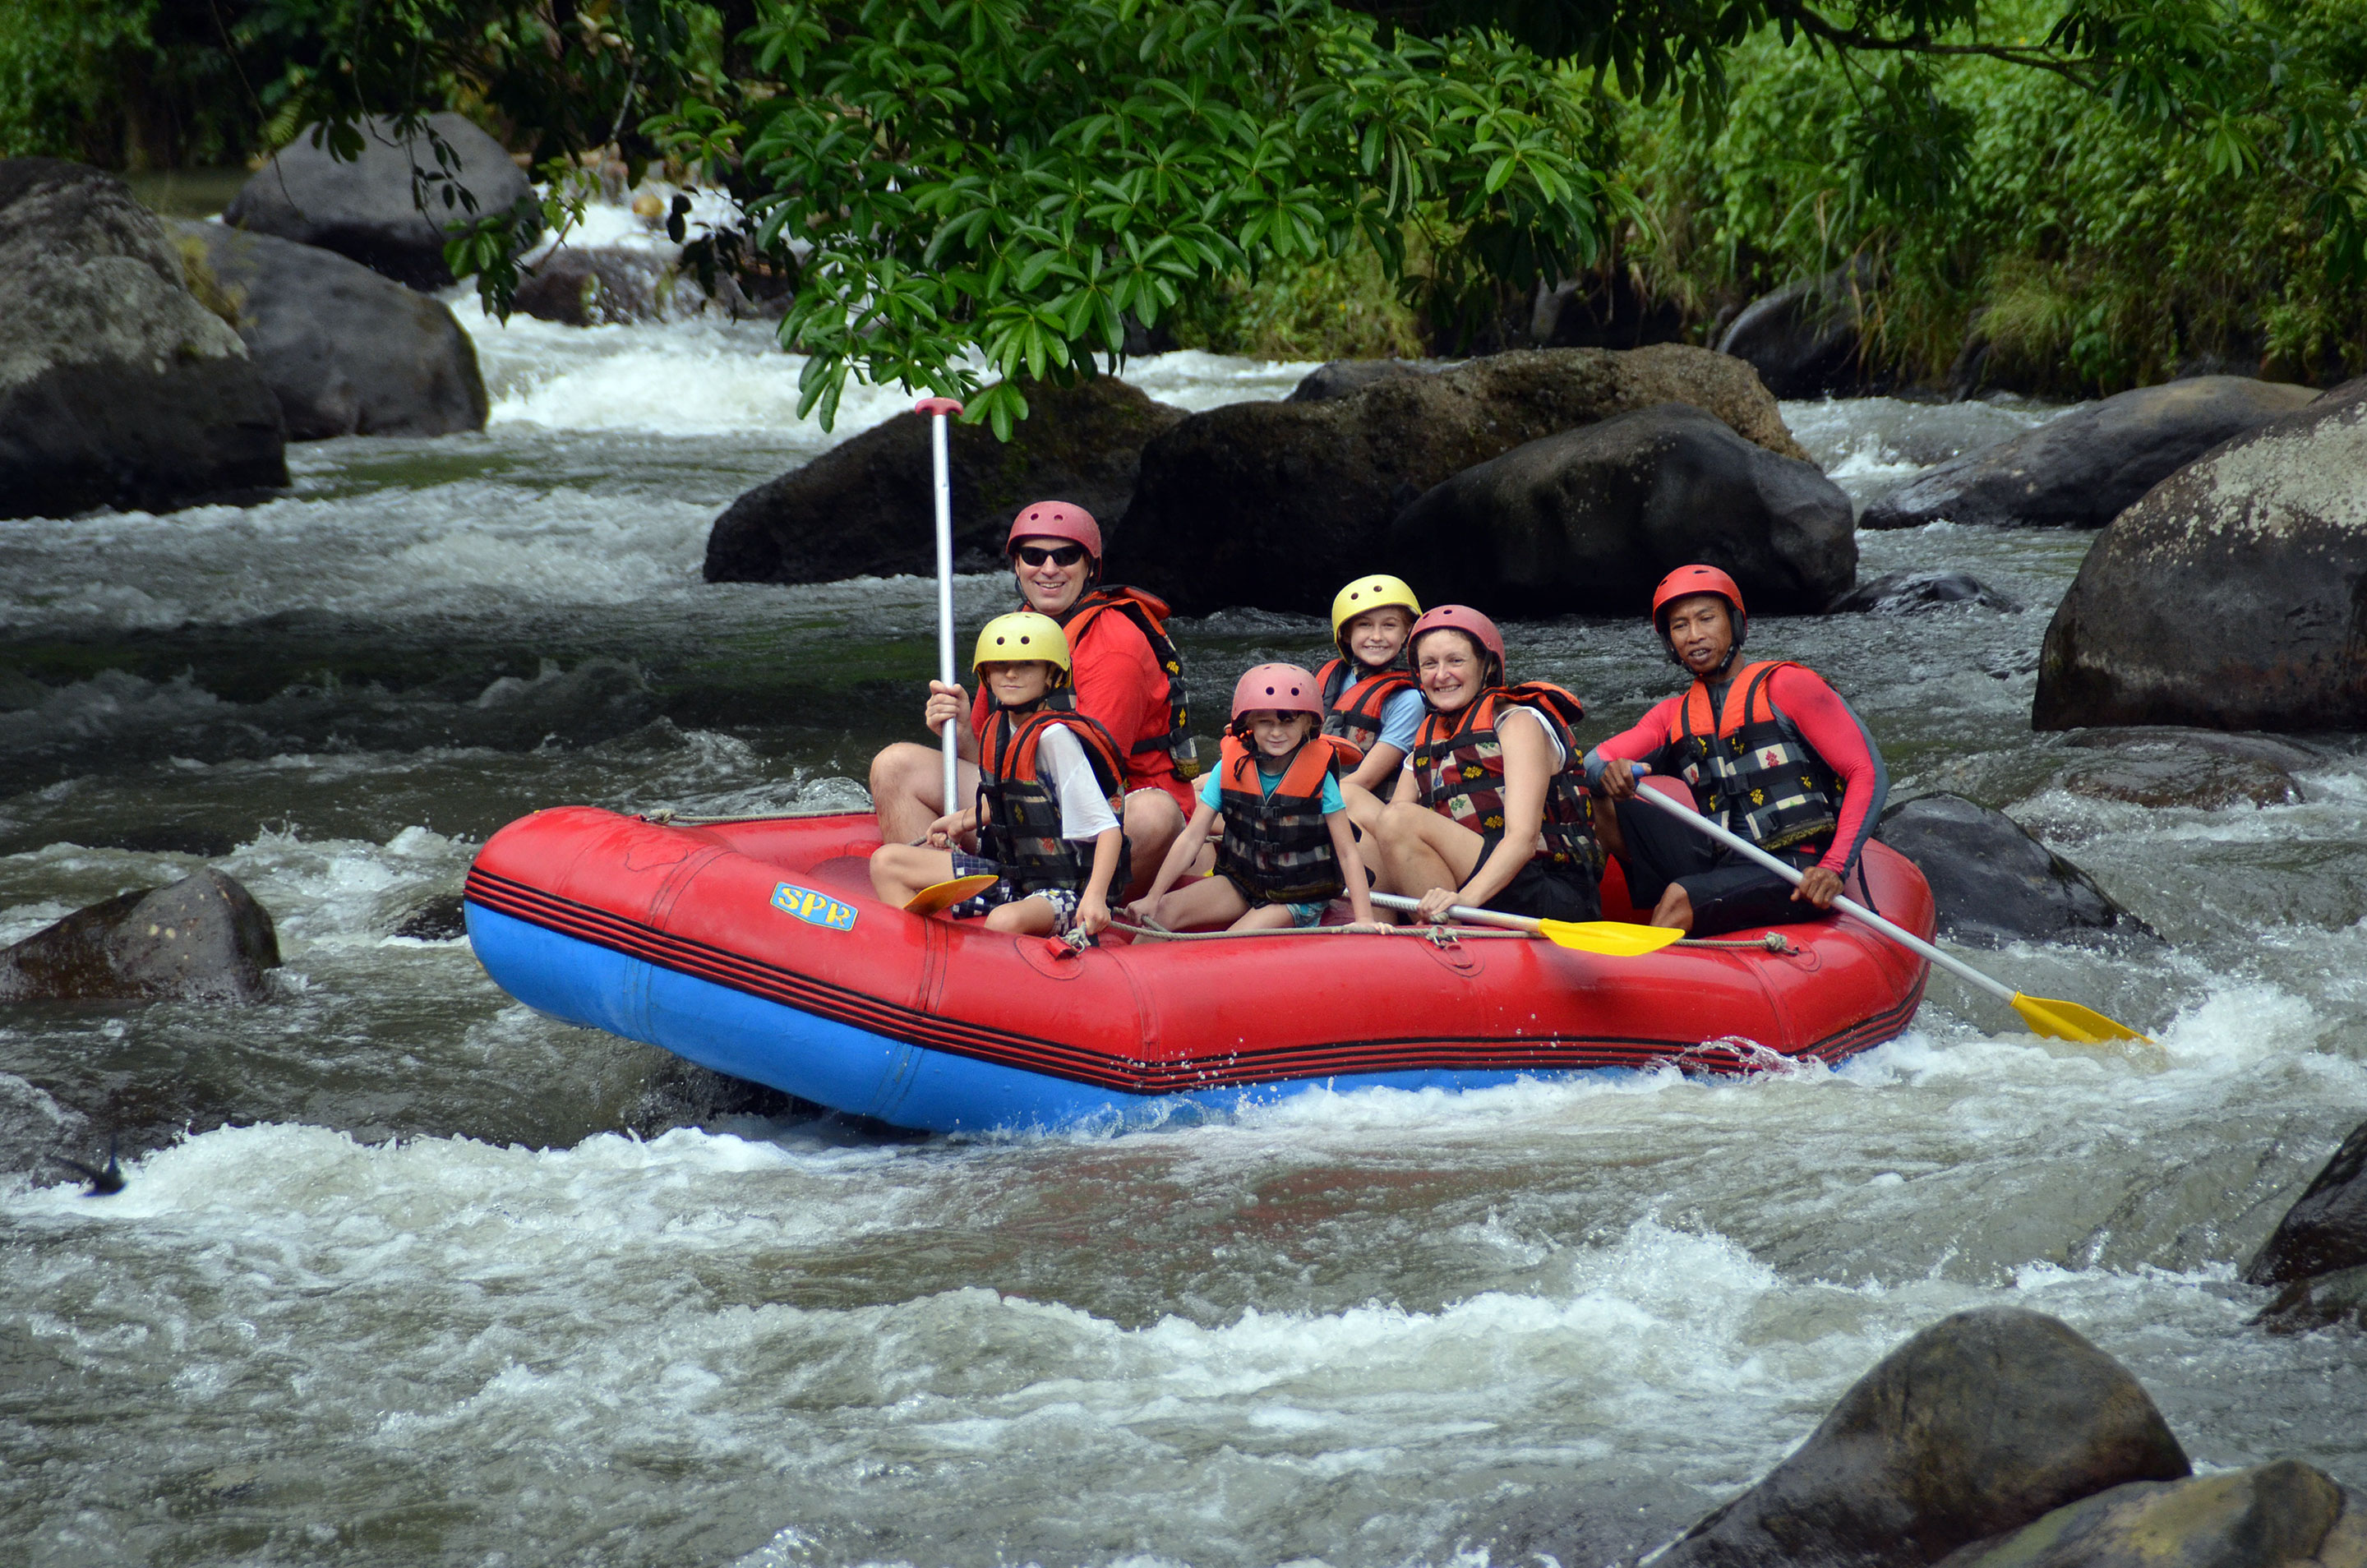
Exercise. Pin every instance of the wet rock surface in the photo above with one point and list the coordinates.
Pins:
(2283, 1514)
(1588, 520)
(1978, 1426)
(2231, 596)
(2326, 1230)
(118, 387)
(1339, 378)
(346, 351)
(441, 919)
(202, 939)
(2163, 766)
(1993, 883)
(1806, 339)
(1274, 504)
(2083, 468)
(386, 210)
(865, 507)
(1904, 592)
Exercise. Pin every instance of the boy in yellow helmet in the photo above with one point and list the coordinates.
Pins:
(1049, 788)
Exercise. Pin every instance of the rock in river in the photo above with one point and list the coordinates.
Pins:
(204, 939)
(1904, 592)
(1994, 884)
(2285, 1514)
(2163, 765)
(2233, 595)
(1588, 520)
(2082, 469)
(1276, 503)
(386, 208)
(2326, 1230)
(1979, 1425)
(1806, 339)
(117, 388)
(1338, 377)
(345, 351)
(862, 507)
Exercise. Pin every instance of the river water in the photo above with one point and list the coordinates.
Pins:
(434, 1280)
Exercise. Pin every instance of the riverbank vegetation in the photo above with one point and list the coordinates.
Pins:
(2066, 195)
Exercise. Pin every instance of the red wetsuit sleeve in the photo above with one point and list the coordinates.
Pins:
(1833, 730)
(1641, 744)
(1118, 682)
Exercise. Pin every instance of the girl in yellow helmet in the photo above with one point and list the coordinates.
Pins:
(1049, 788)
(1369, 697)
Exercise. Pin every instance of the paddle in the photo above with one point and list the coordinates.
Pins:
(2055, 1019)
(940, 896)
(938, 411)
(1611, 939)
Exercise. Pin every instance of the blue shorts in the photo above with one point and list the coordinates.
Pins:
(1063, 900)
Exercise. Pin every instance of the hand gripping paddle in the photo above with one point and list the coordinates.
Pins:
(943, 896)
(1611, 939)
(2054, 1020)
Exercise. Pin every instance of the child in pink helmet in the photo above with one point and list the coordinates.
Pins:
(1287, 849)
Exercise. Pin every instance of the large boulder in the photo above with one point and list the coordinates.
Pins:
(1339, 378)
(203, 938)
(117, 388)
(345, 351)
(386, 210)
(2230, 596)
(1276, 503)
(1976, 1425)
(1588, 520)
(1806, 340)
(2285, 1514)
(2084, 467)
(1911, 592)
(864, 508)
(1992, 883)
(2326, 1230)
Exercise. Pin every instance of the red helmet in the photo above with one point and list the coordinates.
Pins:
(1276, 688)
(1687, 580)
(1458, 618)
(1054, 520)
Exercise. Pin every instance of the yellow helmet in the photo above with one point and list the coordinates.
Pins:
(1019, 637)
(1366, 594)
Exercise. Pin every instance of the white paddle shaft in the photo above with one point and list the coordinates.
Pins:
(945, 496)
(1464, 912)
(1905, 939)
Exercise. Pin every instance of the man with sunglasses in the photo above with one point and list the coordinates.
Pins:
(1124, 672)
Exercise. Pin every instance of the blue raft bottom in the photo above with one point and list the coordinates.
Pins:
(857, 1071)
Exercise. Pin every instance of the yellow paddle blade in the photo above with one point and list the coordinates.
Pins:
(1614, 939)
(2069, 1020)
(943, 896)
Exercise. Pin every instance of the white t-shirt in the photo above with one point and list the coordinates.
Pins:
(1561, 753)
(1085, 812)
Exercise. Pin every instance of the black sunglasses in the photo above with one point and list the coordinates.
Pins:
(1036, 555)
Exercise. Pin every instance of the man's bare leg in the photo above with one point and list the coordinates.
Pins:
(907, 790)
(1152, 823)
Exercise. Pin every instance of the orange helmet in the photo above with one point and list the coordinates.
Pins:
(1056, 520)
(1459, 618)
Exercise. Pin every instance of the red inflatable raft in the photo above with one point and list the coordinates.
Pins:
(757, 949)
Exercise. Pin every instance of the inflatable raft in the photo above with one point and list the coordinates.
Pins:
(758, 950)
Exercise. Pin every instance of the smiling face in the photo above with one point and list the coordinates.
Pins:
(1376, 636)
(1048, 587)
(1019, 682)
(1451, 668)
(1279, 734)
(1702, 631)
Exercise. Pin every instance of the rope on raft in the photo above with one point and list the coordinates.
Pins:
(1773, 942)
(667, 816)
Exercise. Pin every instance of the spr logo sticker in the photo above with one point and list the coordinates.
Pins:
(814, 909)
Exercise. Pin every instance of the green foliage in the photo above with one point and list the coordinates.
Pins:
(993, 188)
(1344, 306)
(131, 83)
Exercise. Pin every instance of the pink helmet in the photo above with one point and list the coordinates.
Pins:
(1276, 688)
(1458, 618)
(1056, 520)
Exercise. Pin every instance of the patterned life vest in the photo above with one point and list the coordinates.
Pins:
(1019, 811)
(1277, 846)
(1458, 772)
(1352, 709)
(1149, 614)
(1758, 777)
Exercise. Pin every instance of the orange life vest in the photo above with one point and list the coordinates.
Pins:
(1352, 708)
(1760, 778)
(1149, 612)
(1276, 847)
(1019, 812)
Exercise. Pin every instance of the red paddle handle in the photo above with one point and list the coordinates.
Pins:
(934, 406)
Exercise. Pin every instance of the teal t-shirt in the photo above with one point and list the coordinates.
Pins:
(1212, 787)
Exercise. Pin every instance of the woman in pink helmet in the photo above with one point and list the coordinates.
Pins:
(1125, 675)
(1768, 749)
(1287, 849)
(1491, 810)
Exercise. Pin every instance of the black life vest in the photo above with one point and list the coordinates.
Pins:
(1352, 708)
(1757, 775)
(1276, 847)
(1019, 812)
(1458, 772)
(1149, 614)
